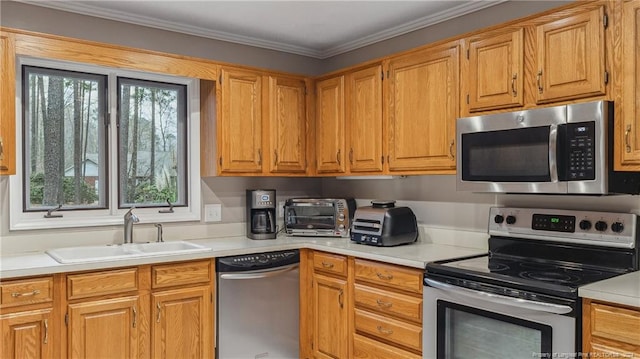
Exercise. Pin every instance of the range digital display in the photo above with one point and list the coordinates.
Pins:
(547, 222)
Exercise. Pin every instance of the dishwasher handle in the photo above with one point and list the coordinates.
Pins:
(258, 274)
(501, 299)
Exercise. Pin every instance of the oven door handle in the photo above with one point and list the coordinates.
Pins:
(500, 299)
(258, 274)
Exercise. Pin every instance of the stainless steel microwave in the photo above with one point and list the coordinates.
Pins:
(558, 150)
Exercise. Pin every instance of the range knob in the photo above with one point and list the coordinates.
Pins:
(601, 226)
(585, 225)
(498, 218)
(617, 227)
(511, 219)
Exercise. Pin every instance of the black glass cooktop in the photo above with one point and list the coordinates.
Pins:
(530, 272)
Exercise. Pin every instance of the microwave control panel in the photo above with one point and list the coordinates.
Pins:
(581, 151)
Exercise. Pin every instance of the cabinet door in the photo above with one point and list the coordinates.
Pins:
(330, 327)
(571, 58)
(330, 125)
(631, 83)
(495, 62)
(27, 335)
(422, 109)
(240, 122)
(287, 125)
(8, 100)
(104, 328)
(182, 323)
(364, 122)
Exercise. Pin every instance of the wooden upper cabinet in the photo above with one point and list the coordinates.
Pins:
(287, 119)
(239, 122)
(495, 63)
(571, 57)
(330, 126)
(364, 120)
(8, 100)
(630, 137)
(423, 104)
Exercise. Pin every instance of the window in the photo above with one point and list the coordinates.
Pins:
(97, 141)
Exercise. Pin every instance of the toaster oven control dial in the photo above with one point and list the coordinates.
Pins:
(341, 217)
(511, 219)
(617, 227)
(585, 225)
(601, 226)
(498, 218)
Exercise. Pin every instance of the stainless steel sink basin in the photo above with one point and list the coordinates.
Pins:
(124, 251)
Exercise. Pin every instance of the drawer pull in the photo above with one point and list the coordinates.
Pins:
(384, 330)
(46, 332)
(383, 304)
(159, 311)
(27, 294)
(327, 265)
(384, 276)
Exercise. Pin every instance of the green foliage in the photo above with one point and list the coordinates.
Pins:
(88, 194)
(146, 192)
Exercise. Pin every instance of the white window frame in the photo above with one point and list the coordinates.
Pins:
(112, 215)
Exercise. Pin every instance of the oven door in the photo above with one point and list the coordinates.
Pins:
(515, 152)
(464, 323)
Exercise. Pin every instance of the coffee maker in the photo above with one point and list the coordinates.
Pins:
(261, 214)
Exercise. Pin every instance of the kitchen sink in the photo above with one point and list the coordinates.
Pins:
(85, 254)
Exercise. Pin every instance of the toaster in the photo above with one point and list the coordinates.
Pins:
(384, 225)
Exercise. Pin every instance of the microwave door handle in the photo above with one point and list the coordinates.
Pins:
(553, 153)
(500, 299)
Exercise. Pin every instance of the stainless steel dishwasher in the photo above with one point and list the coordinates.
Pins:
(258, 305)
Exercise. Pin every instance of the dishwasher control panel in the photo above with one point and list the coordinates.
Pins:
(257, 261)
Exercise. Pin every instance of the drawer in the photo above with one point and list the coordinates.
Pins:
(395, 331)
(169, 275)
(26, 291)
(615, 323)
(367, 348)
(101, 283)
(389, 275)
(389, 303)
(331, 263)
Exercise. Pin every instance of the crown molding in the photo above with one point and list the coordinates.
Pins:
(91, 10)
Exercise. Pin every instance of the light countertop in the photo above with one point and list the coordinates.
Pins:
(624, 289)
(415, 255)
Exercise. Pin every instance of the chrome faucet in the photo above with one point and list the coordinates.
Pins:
(129, 220)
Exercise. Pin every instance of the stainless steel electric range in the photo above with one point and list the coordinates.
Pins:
(520, 300)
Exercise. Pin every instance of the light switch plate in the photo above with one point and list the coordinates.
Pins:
(212, 212)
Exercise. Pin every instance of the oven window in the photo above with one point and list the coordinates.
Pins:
(520, 155)
(465, 332)
(310, 217)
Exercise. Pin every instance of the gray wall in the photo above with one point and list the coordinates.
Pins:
(490, 16)
(35, 18)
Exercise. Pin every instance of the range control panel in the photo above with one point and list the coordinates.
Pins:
(593, 228)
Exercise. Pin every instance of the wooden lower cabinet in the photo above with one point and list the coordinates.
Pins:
(354, 308)
(610, 330)
(27, 334)
(182, 323)
(104, 328)
(27, 320)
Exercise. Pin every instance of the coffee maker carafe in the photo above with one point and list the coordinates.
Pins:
(261, 214)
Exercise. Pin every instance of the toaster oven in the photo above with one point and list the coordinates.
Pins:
(318, 217)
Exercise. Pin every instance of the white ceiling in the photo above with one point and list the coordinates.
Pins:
(318, 29)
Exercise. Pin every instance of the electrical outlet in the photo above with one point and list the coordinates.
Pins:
(280, 209)
(212, 212)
